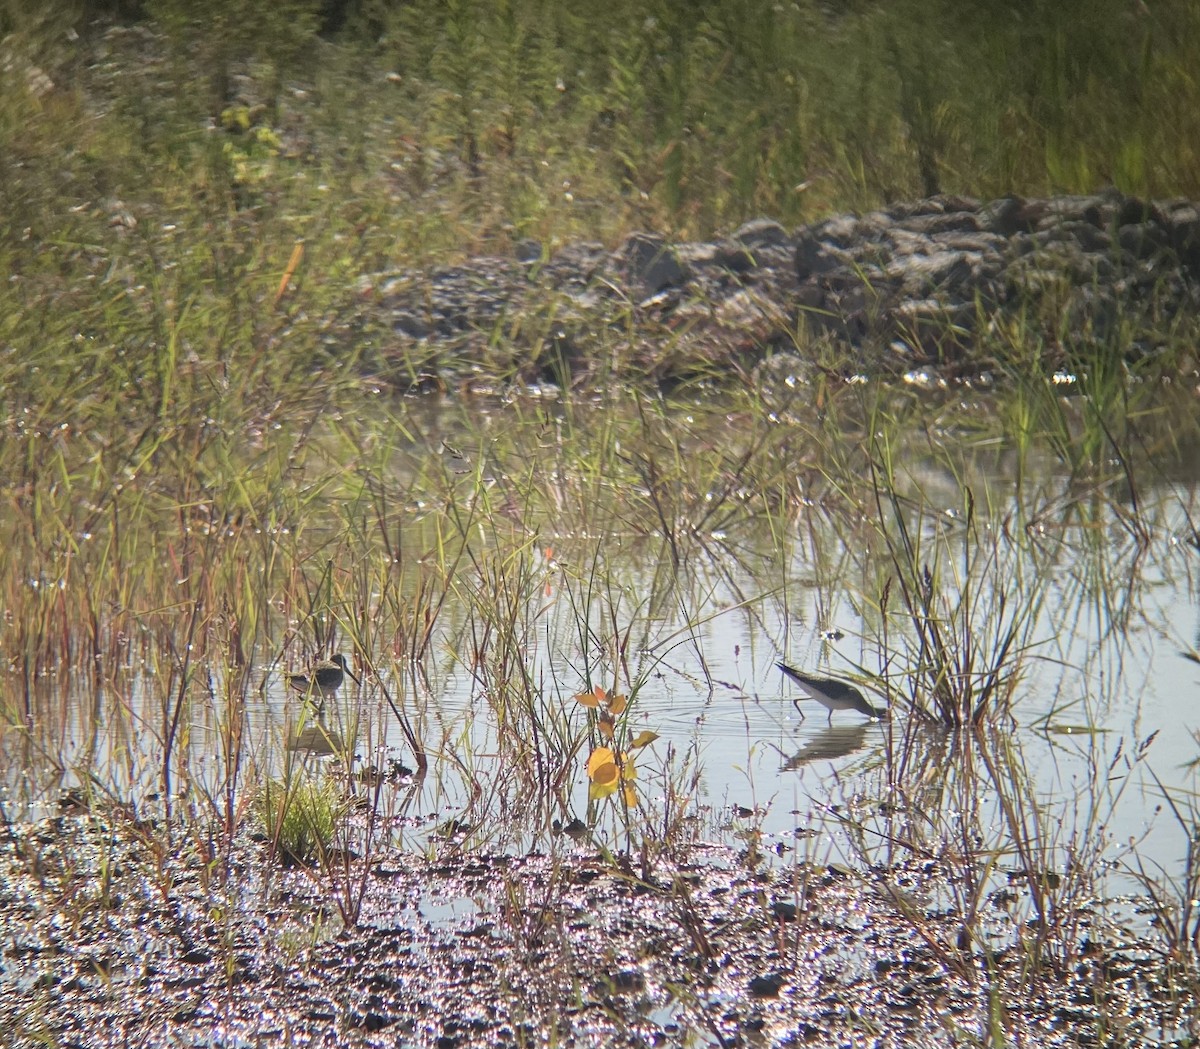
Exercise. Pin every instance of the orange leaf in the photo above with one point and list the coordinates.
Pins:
(616, 704)
(605, 775)
(592, 699)
(606, 728)
(293, 262)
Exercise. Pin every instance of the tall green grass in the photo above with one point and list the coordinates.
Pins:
(451, 127)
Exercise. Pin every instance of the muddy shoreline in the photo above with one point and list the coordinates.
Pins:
(115, 942)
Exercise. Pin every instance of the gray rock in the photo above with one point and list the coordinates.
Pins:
(850, 231)
(1006, 217)
(1144, 240)
(982, 243)
(752, 245)
(1088, 236)
(695, 257)
(1021, 244)
(1132, 210)
(528, 251)
(1182, 223)
(761, 233)
(576, 268)
(648, 264)
(902, 241)
(932, 329)
(920, 274)
(734, 258)
(810, 297)
(813, 256)
(927, 278)
(1095, 210)
(953, 222)
(943, 204)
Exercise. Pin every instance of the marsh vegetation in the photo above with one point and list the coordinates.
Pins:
(566, 628)
(569, 756)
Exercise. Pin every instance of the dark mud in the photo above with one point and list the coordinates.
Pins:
(111, 940)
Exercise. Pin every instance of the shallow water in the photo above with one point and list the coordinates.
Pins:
(1104, 713)
(1099, 682)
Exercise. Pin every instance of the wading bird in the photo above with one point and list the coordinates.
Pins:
(325, 677)
(833, 694)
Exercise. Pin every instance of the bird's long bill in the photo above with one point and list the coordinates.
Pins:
(340, 661)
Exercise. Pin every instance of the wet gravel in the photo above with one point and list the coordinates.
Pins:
(111, 938)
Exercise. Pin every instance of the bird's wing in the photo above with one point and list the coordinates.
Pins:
(829, 687)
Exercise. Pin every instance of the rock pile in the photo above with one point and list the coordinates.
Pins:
(926, 283)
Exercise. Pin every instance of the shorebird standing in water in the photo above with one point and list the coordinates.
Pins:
(324, 677)
(832, 693)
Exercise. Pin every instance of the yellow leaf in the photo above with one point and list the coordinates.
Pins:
(631, 797)
(600, 756)
(644, 739)
(617, 704)
(601, 790)
(602, 766)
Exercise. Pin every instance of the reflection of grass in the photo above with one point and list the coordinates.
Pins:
(995, 843)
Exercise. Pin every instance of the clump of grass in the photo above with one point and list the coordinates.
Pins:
(1174, 897)
(302, 816)
(971, 632)
(958, 605)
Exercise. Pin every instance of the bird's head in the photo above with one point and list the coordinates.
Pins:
(340, 660)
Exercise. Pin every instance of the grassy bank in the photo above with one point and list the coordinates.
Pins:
(467, 125)
(562, 559)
